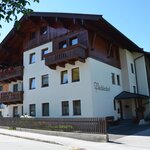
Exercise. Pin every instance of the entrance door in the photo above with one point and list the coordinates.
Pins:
(127, 109)
(15, 111)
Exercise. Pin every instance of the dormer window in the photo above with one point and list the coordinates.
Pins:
(74, 41)
(43, 30)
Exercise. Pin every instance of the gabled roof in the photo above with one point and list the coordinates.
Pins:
(96, 22)
(128, 95)
(97, 19)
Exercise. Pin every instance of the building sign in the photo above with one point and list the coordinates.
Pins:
(99, 87)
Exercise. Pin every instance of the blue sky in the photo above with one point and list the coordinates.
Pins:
(131, 17)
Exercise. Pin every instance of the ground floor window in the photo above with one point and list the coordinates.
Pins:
(15, 111)
(1, 114)
(76, 107)
(32, 110)
(21, 110)
(65, 108)
(45, 109)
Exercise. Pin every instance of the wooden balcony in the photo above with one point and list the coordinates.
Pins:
(11, 74)
(8, 98)
(67, 55)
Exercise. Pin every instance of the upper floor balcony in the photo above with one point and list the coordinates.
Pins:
(8, 98)
(11, 74)
(68, 49)
(63, 56)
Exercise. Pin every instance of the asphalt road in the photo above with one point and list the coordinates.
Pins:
(13, 143)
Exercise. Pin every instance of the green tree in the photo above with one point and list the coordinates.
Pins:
(9, 9)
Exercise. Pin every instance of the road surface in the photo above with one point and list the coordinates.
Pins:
(13, 143)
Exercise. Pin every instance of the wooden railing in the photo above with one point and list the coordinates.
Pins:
(11, 97)
(87, 125)
(11, 73)
(67, 55)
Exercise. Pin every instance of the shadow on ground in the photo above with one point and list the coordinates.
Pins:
(126, 128)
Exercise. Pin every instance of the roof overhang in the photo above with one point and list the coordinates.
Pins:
(97, 21)
(128, 95)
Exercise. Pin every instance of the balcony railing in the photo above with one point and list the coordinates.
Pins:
(67, 55)
(11, 74)
(8, 98)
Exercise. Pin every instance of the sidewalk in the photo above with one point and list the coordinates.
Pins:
(139, 141)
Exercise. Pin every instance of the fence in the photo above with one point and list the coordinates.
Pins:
(87, 125)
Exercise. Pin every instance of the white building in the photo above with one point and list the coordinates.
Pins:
(73, 66)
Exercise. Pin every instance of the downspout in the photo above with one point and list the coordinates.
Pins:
(136, 79)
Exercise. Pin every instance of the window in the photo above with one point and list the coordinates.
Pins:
(21, 110)
(62, 44)
(15, 87)
(113, 78)
(32, 35)
(32, 83)
(75, 75)
(132, 68)
(1, 114)
(32, 110)
(65, 108)
(32, 58)
(64, 77)
(43, 30)
(118, 79)
(44, 51)
(74, 41)
(1, 88)
(76, 107)
(45, 109)
(45, 80)
(15, 111)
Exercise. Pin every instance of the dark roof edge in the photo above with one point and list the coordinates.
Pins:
(123, 36)
(129, 95)
(67, 15)
(53, 14)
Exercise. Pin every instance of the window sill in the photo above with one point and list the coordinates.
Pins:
(75, 81)
(31, 63)
(64, 83)
(32, 89)
(44, 86)
(76, 114)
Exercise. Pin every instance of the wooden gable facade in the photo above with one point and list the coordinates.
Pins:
(96, 38)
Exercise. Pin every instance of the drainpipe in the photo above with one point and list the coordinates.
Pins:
(136, 80)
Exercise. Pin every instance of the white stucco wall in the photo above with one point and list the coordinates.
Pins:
(128, 78)
(56, 92)
(103, 99)
(19, 85)
(10, 110)
(141, 73)
(4, 110)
